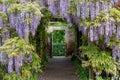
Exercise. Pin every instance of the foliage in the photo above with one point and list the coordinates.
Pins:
(3, 16)
(72, 10)
(102, 17)
(34, 65)
(82, 73)
(1, 73)
(115, 14)
(14, 76)
(16, 46)
(73, 4)
(99, 0)
(59, 49)
(114, 42)
(58, 24)
(115, 78)
(58, 36)
(29, 7)
(99, 78)
(9, 1)
(41, 37)
(99, 60)
(28, 70)
(84, 40)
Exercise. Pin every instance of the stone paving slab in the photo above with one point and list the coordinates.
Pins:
(59, 68)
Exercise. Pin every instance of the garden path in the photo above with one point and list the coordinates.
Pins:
(59, 68)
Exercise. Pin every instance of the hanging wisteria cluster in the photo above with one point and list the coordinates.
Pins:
(23, 16)
(107, 27)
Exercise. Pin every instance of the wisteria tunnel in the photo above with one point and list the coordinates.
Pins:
(59, 39)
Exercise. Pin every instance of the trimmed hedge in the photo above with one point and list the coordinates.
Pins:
(59, 49)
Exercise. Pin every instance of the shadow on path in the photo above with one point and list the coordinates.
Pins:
(59, 68)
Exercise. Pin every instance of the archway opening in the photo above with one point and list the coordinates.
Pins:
(62, 41)
(59, 46)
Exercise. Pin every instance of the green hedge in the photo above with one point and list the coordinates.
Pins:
(59, 49)
(59, 36)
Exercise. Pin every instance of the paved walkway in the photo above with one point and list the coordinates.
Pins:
(59, 68)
